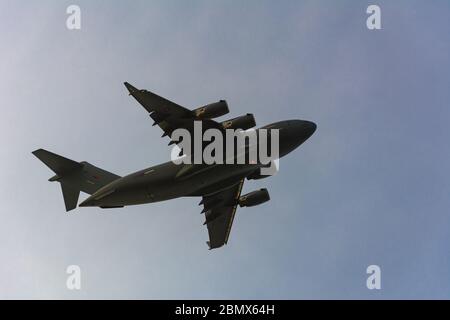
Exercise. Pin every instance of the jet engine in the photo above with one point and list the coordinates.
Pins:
(243, 122)
(212, 110)
(254, 198)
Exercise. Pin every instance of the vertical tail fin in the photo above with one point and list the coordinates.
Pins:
(70, 195)
(74, 176)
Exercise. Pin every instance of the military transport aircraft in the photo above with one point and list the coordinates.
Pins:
(219, 185)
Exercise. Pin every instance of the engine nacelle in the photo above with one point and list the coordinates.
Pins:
(254, 198)
(242, 122)
(212, 110)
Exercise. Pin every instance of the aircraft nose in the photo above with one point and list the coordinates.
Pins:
(294, 133)
(309, 127)
(303, 128)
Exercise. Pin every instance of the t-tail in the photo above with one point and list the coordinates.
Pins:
(74, 176)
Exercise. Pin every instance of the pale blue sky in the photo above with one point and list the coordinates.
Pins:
(370, 187)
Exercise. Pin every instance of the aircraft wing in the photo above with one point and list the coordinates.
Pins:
(220, 209)
(167, 114)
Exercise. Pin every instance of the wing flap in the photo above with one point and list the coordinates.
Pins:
(170, 116)
(154, 103)
(219, 219)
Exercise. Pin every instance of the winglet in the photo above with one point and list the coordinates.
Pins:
(130, 88)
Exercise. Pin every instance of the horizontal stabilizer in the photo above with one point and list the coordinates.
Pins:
(75, 176)
(57, 163)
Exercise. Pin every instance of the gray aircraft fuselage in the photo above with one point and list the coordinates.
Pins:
(169, 180)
